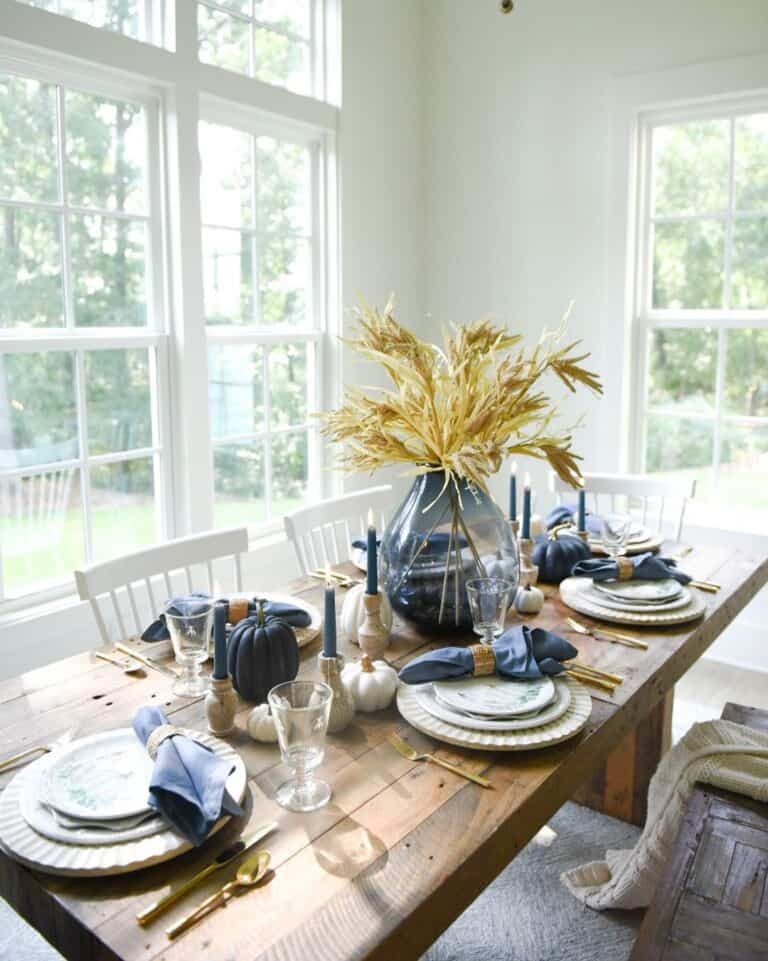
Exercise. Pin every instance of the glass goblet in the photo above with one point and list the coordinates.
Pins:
(301, 710)
(488, 602)
(189, 625)
(614, 531)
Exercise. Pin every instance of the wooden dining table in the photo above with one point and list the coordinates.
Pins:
(403, 847)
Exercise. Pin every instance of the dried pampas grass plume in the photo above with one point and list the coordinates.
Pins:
(462, 408)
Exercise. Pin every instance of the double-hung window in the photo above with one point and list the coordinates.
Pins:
(166, 218)
(702, 301)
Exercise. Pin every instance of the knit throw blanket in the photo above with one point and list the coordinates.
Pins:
(720, 753)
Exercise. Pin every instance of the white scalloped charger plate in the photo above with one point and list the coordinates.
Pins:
(24, 844)
(556, 731)
(426, 697)
(574, 592)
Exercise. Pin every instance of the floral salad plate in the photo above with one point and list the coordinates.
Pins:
(495, 696)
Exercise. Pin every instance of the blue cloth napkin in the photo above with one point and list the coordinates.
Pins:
(567, 514)
(521, 652)
(193, 603)
(645, 567)
(188, 784)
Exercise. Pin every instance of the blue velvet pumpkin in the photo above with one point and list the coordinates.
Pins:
(555, 554)
(262, 652)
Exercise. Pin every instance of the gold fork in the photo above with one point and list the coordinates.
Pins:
(65, 738)
(411, 754)
(624, 639)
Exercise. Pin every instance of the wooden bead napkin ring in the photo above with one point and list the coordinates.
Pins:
(238, 610)
(484, 659)
(159, 735)
(625, 568)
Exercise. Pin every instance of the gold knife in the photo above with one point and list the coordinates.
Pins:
(221, 860)
(153, 665)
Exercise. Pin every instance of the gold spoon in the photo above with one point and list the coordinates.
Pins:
(250, 872)
(127, 667)
(613, 635)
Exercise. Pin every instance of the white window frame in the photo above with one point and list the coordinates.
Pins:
(183, 89)
(646, 317)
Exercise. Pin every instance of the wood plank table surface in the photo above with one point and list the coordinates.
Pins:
(402, 849)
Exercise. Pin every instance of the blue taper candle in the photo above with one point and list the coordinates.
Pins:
(525, 533)
(582, 510)
(513, 493)
(220, 642)
(329, 622)
(372, 568)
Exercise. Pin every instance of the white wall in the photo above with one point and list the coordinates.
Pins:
(528, 121)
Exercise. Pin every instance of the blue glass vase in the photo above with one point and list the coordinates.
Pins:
(438, 539)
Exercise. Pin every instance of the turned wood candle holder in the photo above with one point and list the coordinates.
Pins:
(221, 706)
(342, 708)
(584, 535)
(372, 635)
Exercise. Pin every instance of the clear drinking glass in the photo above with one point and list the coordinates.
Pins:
(301, 710)
(190, 629)
(488, 602)
(614, 530)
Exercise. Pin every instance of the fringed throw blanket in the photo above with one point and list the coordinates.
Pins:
(720, 753)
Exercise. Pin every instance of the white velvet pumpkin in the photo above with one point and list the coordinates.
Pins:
(529, 600)
(370, 684)
(353, 612)
(261, 725)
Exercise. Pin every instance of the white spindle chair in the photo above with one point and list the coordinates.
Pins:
(35, 502)
(323, 533)
(651, 499)
(169, 565)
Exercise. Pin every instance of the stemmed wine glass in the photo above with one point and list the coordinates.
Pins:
(301, 710)
(189, 622)
(614, 531)
(488, 601)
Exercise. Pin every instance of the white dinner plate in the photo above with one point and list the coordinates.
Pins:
(614, 604)
(46, 822)
(637, 591)
(495, 696)
(100, 777)
(426, 697)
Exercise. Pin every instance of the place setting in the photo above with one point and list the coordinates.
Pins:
(519, 689)
(645, 589)
(121, 800)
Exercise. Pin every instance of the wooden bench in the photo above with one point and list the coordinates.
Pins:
(712, 902)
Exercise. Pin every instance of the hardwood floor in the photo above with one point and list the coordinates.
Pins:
(702, 693)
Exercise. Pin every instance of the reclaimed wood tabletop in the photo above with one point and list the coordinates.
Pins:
(401, 850)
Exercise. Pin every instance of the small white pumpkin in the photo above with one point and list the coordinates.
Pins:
(261, 725)
(370, 684)
(529, 599)
(353, 612)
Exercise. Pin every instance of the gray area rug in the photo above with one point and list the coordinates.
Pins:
(20, 942)
(527, 914)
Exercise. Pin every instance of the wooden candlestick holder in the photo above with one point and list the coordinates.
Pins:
(342, 708)
(529, 572)
(515, 525)
(584, 535)
(372, 635)
(221, 706)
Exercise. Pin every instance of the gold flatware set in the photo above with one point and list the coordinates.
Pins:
(342, 580)
(146, 661)
(411, 754)
(614, 636)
